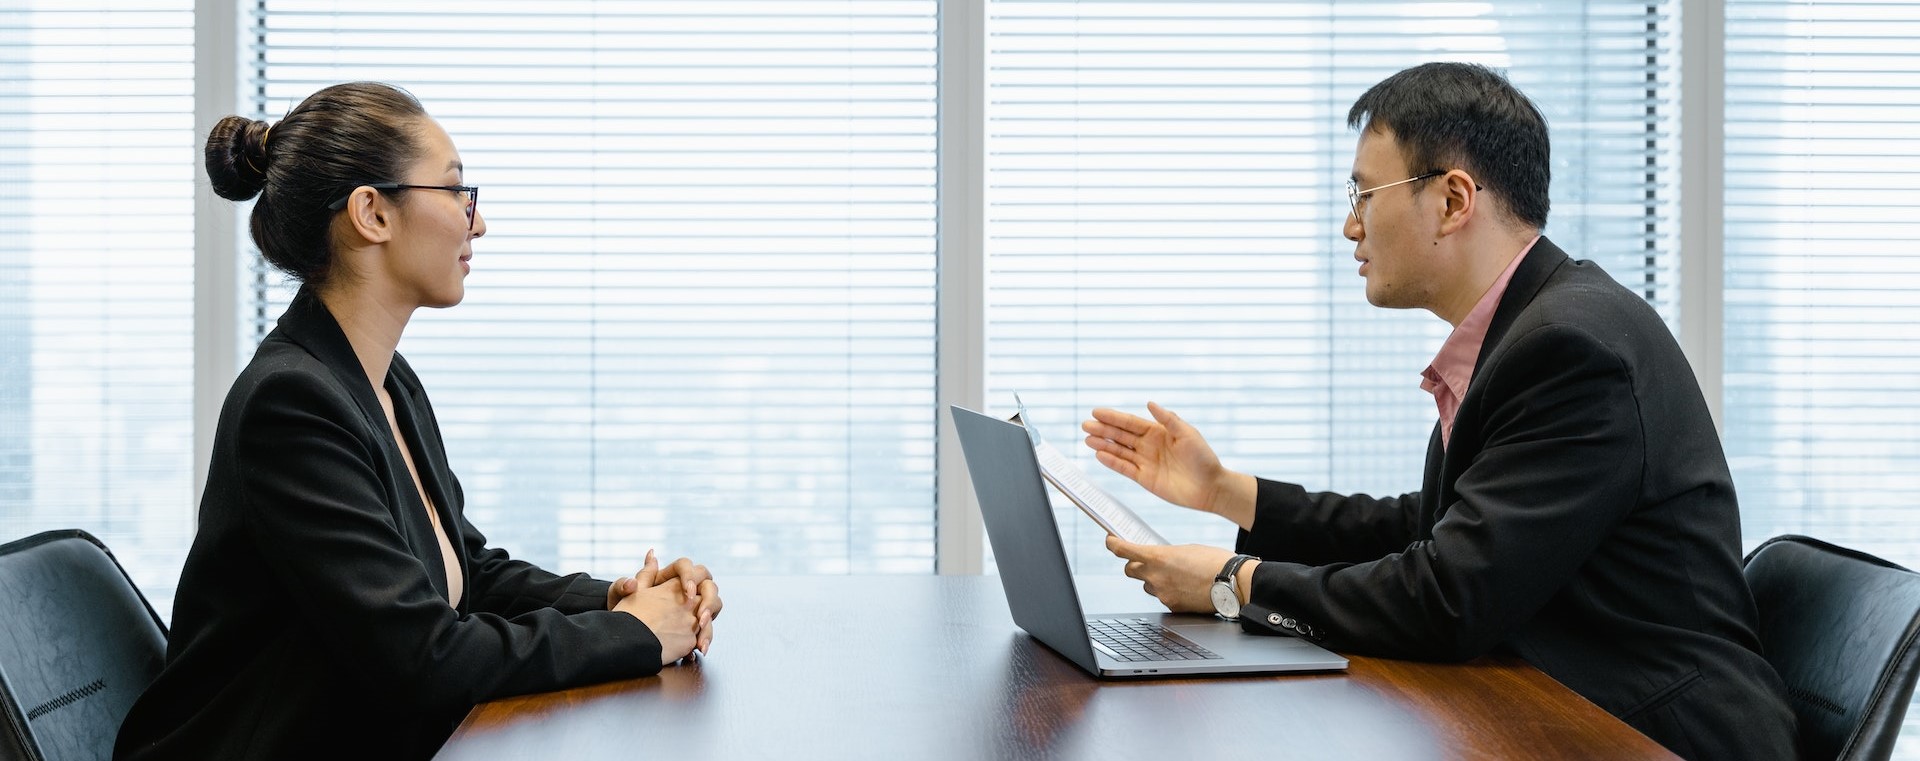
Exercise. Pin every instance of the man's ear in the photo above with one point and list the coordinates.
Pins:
(370, 215)
(1462, 196)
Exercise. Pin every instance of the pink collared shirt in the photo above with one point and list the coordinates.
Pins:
(1452, 369)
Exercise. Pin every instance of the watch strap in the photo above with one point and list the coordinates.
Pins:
(1229, 573)
(1229, 577)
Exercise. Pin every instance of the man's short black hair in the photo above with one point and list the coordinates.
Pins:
(1465, 116)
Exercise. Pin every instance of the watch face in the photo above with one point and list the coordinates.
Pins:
(1225, 601)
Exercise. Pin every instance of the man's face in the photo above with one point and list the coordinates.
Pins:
(1395, 228)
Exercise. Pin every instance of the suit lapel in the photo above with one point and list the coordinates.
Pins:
(409, 409)
(1430, 504)
(1445, 463)
(1527, 280)
(308, 323)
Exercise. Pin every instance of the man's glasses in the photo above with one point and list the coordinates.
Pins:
(472, 193)
(1355, 194)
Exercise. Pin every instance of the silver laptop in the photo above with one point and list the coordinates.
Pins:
(1039, 583)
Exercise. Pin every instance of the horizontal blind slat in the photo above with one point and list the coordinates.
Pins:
(1164, 202)
(708, 280)
(96, 279)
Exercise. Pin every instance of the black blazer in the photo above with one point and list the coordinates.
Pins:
(1583, 517)
(312, 617)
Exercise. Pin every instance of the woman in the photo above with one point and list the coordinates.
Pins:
(336, 602)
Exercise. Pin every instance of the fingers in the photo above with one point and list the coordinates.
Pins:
(1146, 585)
(1125, 422)
(1136, 567)
(709, 609)
(1125, 549)
(1173, 422)
(1113, 446)
(682, 569)
(649, 571)
(1114, 450)
(1117, 437)
(1098, 430)
(616, 590)
(1118, 465)
(688, 572)
(710, 603)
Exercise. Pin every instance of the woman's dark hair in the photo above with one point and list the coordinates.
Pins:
(336, 140)
(1458, 115)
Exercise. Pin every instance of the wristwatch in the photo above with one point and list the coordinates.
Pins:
(1226, 588)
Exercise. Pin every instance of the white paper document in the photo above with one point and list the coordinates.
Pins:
(1116, 518)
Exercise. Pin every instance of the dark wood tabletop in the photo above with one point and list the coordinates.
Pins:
(932, 667)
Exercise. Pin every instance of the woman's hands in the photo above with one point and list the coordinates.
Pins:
(678, 603)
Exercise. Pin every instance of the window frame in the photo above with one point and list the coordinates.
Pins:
(220, 242)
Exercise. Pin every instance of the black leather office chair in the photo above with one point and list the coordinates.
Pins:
(77, 644)
(1839, 626)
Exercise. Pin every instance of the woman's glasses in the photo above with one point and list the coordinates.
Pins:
(472, 195)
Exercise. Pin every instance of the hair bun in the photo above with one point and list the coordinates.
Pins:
(237, 157)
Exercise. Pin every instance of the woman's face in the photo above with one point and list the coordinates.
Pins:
(433, 240)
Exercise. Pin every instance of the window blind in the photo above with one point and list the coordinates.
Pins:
(1165, 195)
(1822, 283)
(96, 278)
(702, 318)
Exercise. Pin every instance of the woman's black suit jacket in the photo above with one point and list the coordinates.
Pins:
(312, 617)
(1583, 516)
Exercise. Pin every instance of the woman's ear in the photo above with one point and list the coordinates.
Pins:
(370, 215)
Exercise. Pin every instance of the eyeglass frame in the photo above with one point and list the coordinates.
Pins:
(473, 196)
(1354, 192)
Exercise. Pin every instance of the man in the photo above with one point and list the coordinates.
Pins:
(1577, 508)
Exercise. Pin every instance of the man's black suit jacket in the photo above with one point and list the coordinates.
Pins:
(312, 618)
(1582, 516)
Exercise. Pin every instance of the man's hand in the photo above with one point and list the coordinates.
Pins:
(1170, 458)
(1179, 577)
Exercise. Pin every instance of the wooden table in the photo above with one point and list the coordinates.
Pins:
(932, 667)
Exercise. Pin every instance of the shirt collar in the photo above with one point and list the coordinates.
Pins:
(1454, 365)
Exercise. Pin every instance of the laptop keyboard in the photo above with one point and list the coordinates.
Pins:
(1137, 639)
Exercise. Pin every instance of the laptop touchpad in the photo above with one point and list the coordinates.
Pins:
(1225, 635)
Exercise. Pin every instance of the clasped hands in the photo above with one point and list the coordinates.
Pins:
(678, 603)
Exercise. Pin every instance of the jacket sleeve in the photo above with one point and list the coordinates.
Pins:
(316, 504)
(505, 586)
(1317, 528)
(1562, 462)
